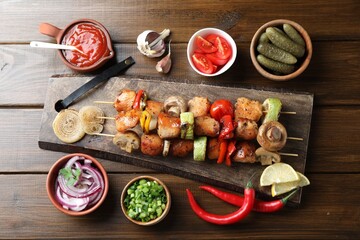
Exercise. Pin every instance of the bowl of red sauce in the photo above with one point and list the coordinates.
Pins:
(89, 36)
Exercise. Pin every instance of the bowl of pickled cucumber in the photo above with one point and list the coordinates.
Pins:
(281, 50)
(145, 200)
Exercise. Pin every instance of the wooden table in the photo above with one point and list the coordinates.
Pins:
(330, 206)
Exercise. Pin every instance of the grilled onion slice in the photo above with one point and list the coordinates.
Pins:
(67, 126)
(90, 117)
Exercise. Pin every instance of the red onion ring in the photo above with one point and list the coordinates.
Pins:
(86, 191)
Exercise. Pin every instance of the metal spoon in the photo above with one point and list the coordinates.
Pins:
(54, 46)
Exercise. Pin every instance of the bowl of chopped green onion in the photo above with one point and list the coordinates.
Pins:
(145, 200)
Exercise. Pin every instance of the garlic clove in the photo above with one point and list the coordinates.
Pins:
(164, 65)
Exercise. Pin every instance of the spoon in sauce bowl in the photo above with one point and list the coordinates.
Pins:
(54, 46)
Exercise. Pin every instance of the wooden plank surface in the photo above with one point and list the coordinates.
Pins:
(324, 19)
(25, 72)
(330, 205)
(319, 217)
(233, 178)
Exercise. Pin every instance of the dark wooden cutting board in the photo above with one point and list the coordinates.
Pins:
(233, 178)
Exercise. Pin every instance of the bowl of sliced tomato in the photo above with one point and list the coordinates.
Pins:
(211, 51)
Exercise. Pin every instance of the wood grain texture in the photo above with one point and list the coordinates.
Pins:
(233, 178)
(330, 205)
(19, 145)
(25, 71)
(324, 20)
(28, 211)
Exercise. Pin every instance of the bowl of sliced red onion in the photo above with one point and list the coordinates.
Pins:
(77, 184)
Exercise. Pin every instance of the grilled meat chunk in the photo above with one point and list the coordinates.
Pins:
(246, 108)
(199, 106)
(151, 144)
(206, 126)
(168, 126)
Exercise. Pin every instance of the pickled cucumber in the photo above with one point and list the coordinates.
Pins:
(285, 42)
(263, 38)
(271, 51)
(280, 31)
(293, 34)
(275, 65)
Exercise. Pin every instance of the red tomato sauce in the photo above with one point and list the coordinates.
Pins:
(89, 39)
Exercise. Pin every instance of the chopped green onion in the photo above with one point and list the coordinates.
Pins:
(145, 200)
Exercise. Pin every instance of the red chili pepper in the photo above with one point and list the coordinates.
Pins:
(241, 213)
(222, 152)
(139, 95)
(227, 127)
(259, 206)
(231, 148)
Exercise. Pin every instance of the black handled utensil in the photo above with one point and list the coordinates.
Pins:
(102, 77)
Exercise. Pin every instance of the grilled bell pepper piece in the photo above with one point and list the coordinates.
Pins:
(272, 108)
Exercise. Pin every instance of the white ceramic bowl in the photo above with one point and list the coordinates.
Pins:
(204, 32)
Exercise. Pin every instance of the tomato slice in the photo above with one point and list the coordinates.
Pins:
(211, 38)
(202, 63)
(224, 50)
(204, 45)
(221, 107)
(215, 60)
(198, 50)
(215, 68)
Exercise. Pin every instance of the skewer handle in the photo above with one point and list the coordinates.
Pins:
(289, 113)
(103, 102)
(104, 134)
(111, 118)
(295, 138)
(289, 154)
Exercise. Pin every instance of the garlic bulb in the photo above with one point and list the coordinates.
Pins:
(151, 43)
(164, 65)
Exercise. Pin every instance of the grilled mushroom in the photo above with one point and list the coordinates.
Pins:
(127, 141)
(174, 105)
(266, 157)
(272, 136)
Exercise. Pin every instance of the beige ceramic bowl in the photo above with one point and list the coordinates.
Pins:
(303, 62)
(156, 220)
(53, 174)
(204, 32)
